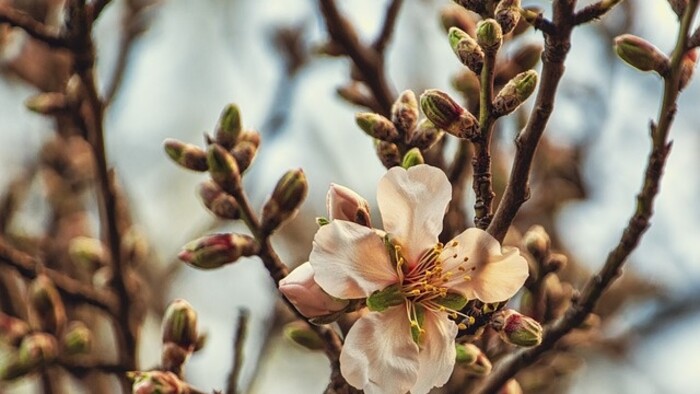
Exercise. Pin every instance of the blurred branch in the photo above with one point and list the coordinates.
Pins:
(238, 343)
(594, 11)
(632, 234)
(34, 28)
(80, 368)
(390, 19)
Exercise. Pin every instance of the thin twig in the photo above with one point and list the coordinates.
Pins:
(46, 34)
(388, 26)
(81, 368)
(238, 344)
(632, 234)
(593, 12)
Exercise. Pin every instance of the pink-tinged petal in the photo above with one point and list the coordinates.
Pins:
(350, 261)
(481, 269)
(379, 355)
(344, 204)
(437, 352)
(306, 295)
(413, 203)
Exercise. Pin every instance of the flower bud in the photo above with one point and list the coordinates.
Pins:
(556, 262)
(404, 112)
(306, 295)
(344, 204)
(180, 325)
(88, 253)
(377, 126)
(223, 168)
(477, 6)
(472, 360)
(412, 158)
(244, 152)
(135, 247)
(489, 35)
(77, 339)
(301, 334)
(229, 126)
(47, 311)
(37, 349)
(516, 91)
(157, 382)
(50, 103)
(537, 242)
(218, 202)
(250, 136)
(446, 114)
(12, 329)
(388, 153)
(517, 329)
(507, 14)
(425, 135)
(688, 64)
(285, 200)
(466, 49)
(641, 54)
(216, 250)
(186, 155)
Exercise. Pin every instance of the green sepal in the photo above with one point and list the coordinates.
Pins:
(452, 301)
(322, 221)
(380, 300)
(416, 333)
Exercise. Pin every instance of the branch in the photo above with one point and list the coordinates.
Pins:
(594, 11)
(46, 34)
(390, 18)
(632, 234)
(80, 368)
(238, 343)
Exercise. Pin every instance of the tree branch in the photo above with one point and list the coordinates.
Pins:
(390, 19)
(46, 34)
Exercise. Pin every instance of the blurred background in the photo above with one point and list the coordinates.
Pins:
(181, 61)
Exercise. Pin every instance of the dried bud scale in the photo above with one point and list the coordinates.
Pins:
(377, 126)
(404, 113)
(388, 153)
(508, 14)
(244, 152)
(425, 135)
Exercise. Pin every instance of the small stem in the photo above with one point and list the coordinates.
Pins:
(34, 28)
(238, 343)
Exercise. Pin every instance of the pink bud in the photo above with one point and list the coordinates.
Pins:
(345, 204)
(306, 295)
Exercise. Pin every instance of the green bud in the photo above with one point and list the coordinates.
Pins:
(301, 334)
(537, 242)
(517, 329)
(404, 112)
(489, 35)
(472, 360)
(37, 349)
(377, 126)
(12, 329)
(229, 127)
(47, 311)
(440, 108)
(244, 152)
(218, 202)
(531, 14)
(507, 14)
(50, 103)
(380, 300)
(180, 324)
(322, 221)
(88, 253)
(466, 49)
(285, 200)
(223, 168)
(77, 339)
(217, 250)
(186, 155)
(388, 153)
(425, 135)
(516, 91)
(641, 54)
(412, 158)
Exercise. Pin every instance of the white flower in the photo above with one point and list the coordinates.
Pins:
(414, 284)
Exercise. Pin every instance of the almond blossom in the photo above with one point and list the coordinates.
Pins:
(414, 284)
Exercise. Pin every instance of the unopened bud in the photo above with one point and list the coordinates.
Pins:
(47, 310)
(489, 35)
(244, 152)
(641, 54)
(472, 360)
(404, 112)
(49, 103)
(516, 91)
(454, 16)
(531, 14)
(285, 200)
(135, 248)
(388, 153)
(186, 155)
(446, 114)
(37, 349)
(425, 135)
(223, 168)
(507, 14)
(511, 387)
(537, 242)
(344, 204)
(229, 126)
(516, 328)
(301, 334)
(217, 250)
(556, 262)
(300, 288)
(377, 126)
(478, 6)
(157, 382)
(77, 339)
(180, 325)
(12, 329)
(89, 253)
(688, 63)
(218, 202)
(250, 136)
(412, 158)
(466, 49)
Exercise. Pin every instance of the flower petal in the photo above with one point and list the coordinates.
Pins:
(437, 352)
(491, 274)
(350, 261)
(306, 295)
(413, 203)
(379, 355)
